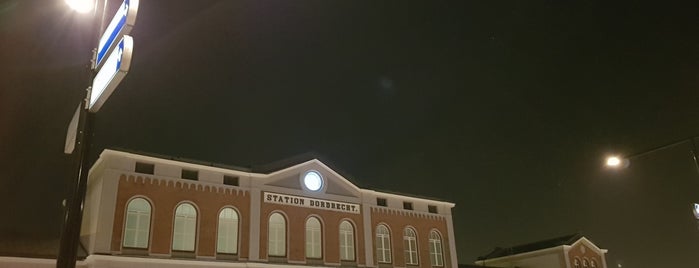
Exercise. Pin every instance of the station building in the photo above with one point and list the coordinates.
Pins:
(145, 211)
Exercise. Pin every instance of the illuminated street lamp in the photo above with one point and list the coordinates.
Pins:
(619, 161)
(616, 161)
(81, 6)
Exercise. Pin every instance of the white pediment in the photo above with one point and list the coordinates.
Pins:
(291, 179)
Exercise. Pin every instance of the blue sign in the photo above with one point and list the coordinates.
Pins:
(121, 25)
(110, 75)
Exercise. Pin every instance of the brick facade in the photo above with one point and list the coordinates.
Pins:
(114, 182)
(397, 220)
(165, 195)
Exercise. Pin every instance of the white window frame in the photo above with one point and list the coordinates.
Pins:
(184, 229)
(276, 235)
(314, 239)
(140, 230)
(346, 241)
(383, 244)
(227, 231)
(436, 249)
(410, 246)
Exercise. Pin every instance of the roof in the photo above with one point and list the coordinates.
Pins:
(276, 166)
(543, 244)
(181, 159)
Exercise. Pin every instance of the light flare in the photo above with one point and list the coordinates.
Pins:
(613, 161)
(81, 6)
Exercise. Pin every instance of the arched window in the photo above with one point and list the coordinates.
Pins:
(410, 246)
(137, 224)
(276, 235)
(436, 258)
(346, 241)
(576, 262)
(585, 263)
(383, 244)
(227, 231)
(185, 230)
(593, 263)
(314, 246)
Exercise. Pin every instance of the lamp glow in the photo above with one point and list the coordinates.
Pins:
(613, 161)
(81, 6)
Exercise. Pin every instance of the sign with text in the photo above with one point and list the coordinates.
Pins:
(121, 25)
(307, 202)
(108, 78)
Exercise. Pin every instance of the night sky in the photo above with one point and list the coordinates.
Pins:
(506, 108)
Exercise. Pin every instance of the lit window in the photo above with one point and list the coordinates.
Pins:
(137, 227)
(185, 229)
(346, 241)
(383, 244)
(436, 257)
(276, 235)
(410, 246)
(227, 231)
(313, 239)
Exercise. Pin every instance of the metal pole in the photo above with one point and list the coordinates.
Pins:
(70, 235)
(70, 238)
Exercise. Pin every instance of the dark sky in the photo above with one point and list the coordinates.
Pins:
(506, 108)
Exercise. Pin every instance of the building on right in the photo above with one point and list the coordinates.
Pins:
(571, 251)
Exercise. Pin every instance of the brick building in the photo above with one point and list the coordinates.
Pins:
(570, 251)
(143, 211)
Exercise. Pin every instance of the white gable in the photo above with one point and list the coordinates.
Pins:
(289, 181)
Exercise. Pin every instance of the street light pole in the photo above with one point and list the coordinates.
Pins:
(70, 235)
(623, 161)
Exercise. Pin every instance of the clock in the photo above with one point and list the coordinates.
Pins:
(313, 181)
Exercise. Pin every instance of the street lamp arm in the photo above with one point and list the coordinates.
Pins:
(617, 161)
(665, 146)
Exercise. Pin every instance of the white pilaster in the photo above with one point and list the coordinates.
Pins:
(368, 239)
(255, 197)
(452, 242)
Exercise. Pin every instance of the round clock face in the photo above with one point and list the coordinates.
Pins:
(312, 181)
